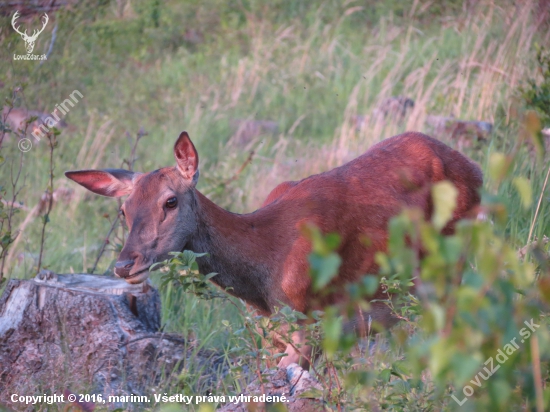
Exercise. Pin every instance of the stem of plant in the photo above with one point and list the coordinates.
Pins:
(51, 141)
(538, 206)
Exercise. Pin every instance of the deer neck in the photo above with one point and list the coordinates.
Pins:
(236, 247)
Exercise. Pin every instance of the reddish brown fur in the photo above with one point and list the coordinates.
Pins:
(355, 200)
(262, 257)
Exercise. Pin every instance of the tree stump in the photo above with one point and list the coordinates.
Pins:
(89, 334)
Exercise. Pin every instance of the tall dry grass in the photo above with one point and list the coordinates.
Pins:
(469, 84)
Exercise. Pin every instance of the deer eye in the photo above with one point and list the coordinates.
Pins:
(172, 202)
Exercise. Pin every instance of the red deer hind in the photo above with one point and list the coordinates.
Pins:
(262, 257)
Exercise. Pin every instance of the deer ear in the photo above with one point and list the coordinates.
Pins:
(187, 158)
(108, 182)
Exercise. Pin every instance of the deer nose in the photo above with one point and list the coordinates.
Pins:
(122, 268)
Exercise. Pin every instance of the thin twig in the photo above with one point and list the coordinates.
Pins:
(161, 337)
(538, 206)
(16, 206)
(104, 244)
(11, 211)
(253, 338)
(52, 142)
(241, 169)
(297, 382)
(235, 176)
(537, 377)
(333, 368)
(4, 123)
(307, 358)
(4, 255)
(130, 162)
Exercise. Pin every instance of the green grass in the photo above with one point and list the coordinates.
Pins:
(309, 66)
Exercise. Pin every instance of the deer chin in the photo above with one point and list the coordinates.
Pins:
(138, 277)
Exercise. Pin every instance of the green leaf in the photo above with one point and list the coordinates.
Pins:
(401, 387)
(441, 352)
(434, 318)
(500, 392)
(385, 375)
(400, 368)
(156, 266)
(324, 269)
(464, 368)
(371, 284)
(523, 187)
(444, 196)
(499, 165)
(332, 326)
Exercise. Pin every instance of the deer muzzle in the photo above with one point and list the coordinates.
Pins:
(123, 268)
(127, 270)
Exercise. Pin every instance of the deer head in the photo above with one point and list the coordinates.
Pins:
(160, 210)
(29, 40)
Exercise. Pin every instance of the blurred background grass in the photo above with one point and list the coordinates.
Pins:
(309, 68)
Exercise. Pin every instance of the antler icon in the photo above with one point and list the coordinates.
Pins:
(29, 40)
